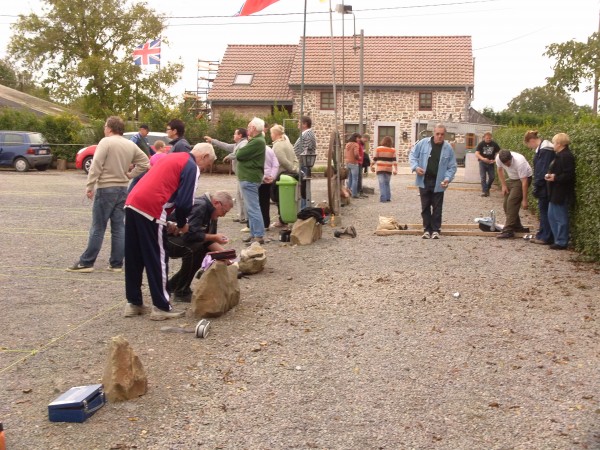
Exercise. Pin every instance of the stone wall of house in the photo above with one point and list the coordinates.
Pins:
(248, 111)
(395, 106)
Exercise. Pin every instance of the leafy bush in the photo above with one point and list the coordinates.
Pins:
(585, 145)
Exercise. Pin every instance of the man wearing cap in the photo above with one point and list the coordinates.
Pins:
(514, 188)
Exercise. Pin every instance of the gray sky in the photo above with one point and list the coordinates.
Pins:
(509, 36)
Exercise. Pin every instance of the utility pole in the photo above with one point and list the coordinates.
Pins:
(596, 81)
(361, 88)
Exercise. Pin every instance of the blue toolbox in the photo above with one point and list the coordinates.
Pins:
(77, 404)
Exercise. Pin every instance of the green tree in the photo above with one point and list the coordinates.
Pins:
(577, 66)
(543, 101)
(8, 76)
(83, 52)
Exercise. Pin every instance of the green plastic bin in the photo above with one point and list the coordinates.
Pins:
(288, 198)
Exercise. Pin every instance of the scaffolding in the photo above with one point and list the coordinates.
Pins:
(197, 101)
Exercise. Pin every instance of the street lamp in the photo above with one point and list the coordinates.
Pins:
(308, 160)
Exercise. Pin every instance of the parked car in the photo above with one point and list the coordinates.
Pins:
(24, 150)
(83, 160)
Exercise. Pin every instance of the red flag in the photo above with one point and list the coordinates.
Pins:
(252, 6)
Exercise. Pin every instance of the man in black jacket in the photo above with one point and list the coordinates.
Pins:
(175, 132)
(201, 238)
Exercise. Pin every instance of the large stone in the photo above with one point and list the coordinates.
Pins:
(216, 292)
(253, 259)
(124, 377)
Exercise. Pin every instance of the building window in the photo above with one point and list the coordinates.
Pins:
(470, 141)
(350, 128)
(383, 131)
(425, 101)
(243, 78)
(327, 100)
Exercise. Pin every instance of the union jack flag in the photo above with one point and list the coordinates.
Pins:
(147, 53)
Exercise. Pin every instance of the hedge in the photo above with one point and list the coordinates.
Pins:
(585, 145)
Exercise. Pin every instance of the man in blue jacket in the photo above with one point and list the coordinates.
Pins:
(435, 164)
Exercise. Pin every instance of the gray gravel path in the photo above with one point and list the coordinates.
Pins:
(344, 344)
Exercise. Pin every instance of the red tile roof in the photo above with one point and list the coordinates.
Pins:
(389, 61)
(270, 64)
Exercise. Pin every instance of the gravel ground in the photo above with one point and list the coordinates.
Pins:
(343, 344)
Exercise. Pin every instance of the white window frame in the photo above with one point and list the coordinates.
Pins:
(396, 126)
(239, 78)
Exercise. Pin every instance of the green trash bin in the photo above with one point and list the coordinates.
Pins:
(288, 198)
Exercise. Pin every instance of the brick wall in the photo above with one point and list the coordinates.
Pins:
(248, 111)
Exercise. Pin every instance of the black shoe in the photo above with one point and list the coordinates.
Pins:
(506, 235)
(522, 230)
(182, 298)
(558, 247)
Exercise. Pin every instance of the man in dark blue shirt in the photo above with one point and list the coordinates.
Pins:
(201, 238)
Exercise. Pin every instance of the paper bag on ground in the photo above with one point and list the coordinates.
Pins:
(306, 232)
(216, 292)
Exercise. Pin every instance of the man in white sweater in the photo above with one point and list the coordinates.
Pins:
(107, 184)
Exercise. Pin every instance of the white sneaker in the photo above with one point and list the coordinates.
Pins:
(245, 230)
(435, 235)
(132, 310)
(159, 314)
(426, 235)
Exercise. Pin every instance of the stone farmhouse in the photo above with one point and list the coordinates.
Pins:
(409, 83)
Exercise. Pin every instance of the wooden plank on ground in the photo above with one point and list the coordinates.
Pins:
(465, 232)
(451, 226)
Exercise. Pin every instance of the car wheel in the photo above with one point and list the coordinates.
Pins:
(87, 164)
(21, 165)
(42, 168)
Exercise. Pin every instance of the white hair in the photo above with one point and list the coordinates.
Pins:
(205, 148)
(259, 124)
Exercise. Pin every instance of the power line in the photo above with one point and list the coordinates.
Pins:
(430, 5)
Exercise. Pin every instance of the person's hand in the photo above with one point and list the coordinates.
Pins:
(221, 239)
(89, 194)
(268, 180)
(420, 171)
(227, 158)
(395, 172)
(372, 168)
(445, 183)
(208, 139)
(182, 230)
(549, 177)
(171, 228)
(504, 190)
(524, 204)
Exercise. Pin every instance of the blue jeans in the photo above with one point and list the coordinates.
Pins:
(108, 204)
(255, 219)
(353, 179)
(558, 216)
(544, 232)
(385, 193)
(487, 172)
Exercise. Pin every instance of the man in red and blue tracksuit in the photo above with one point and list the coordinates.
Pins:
(170, 185)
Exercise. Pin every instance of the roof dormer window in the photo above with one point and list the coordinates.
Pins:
(243, 78)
